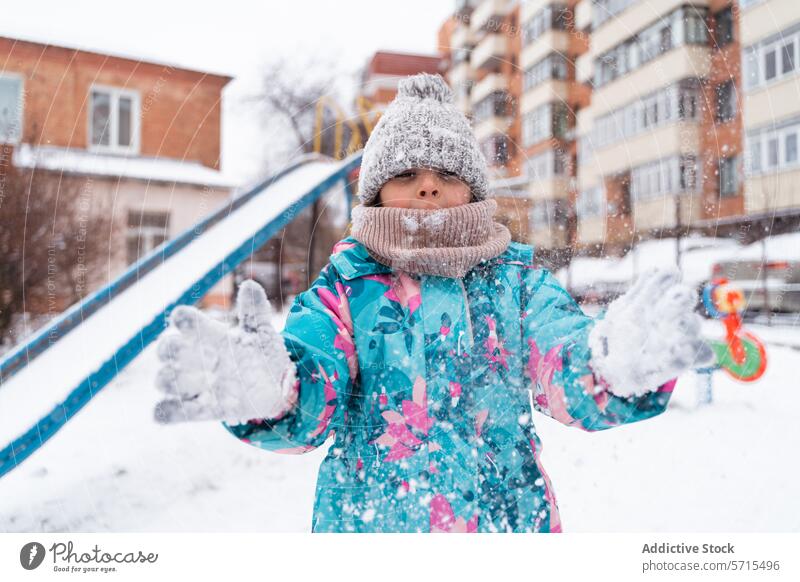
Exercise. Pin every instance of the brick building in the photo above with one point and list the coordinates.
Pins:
(385, 69)
(142, 139)
(610, 121)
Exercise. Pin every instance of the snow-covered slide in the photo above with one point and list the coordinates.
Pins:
(47, 379)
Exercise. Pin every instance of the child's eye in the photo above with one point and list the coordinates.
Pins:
(408, 174)
(447, 175)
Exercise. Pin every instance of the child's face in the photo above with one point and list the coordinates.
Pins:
(423, 188)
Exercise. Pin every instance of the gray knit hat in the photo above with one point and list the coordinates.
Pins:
(421, 128)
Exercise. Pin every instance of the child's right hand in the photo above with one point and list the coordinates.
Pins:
(214, 372)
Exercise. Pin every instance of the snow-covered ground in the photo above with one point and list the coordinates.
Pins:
(730, 466)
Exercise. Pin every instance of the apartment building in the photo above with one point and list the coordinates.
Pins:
(511, 65)
(139, 139)
(610, 121)
(640, 138)
(770, 41)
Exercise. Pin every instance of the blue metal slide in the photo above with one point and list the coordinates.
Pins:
(48, 378)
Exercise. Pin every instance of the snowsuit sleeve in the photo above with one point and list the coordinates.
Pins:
(556, 356)
(319, 338)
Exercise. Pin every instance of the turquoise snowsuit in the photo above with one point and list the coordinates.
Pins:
(428, 384)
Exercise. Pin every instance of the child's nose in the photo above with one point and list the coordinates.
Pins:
(428, 187)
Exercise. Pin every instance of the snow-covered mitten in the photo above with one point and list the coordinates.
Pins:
(212, 371)
(649, 335)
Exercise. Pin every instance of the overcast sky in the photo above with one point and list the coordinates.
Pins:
(232, 37)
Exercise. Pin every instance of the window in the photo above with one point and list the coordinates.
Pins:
(548, 120)
(546, 165)
(787, 57)
(603, 10)
(696, 29)
(667, 105)
(688, 174)
(114, 119)
(560, 120)
(540, 214)
(460, 55)
(146, 230)
(755, 156)
(791, 148)
(773, 149)
(726, 101)
(553, 66)
(772, 59)
(495, 149)
(724, 28)
(664, 177)
(550, 17)
(750, 72)
(728, 180)
(772, 152)
(688, 97)
(770, 65)
(685, 25)
(590, 203)
(495, 104)
(11, 98)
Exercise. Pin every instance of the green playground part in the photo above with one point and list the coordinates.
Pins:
(747, 369)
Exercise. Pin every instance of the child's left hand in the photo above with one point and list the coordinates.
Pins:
(649, 335)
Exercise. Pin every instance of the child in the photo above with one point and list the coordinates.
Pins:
(423, 345)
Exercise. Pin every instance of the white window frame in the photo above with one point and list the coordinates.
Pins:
(656, 109)
(537, 125)
(682, 26)
(662, 178)
(146, 232)
(14, 140)
(737, 181)
(761, 141)
(136, 120)
(541, 220)
(756, 56)
(591, 203)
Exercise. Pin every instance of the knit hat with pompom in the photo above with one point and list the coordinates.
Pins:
(421, 128)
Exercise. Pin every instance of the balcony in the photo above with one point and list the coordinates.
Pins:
(461, 37)
(487, 12)
(460, 74)
(490, 52)
(583, 15)
(552, 89)
(490, 83)
(659, 212)
(465, 7)
(461, 81)
(551, 41)
(552, 188)
(491, 126)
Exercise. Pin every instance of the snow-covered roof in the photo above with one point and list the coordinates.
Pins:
(84, 162)
(65, 39)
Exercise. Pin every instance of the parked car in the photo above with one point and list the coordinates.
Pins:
(771, 285)
(768, 272)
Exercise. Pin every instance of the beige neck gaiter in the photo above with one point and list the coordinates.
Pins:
(445, 242)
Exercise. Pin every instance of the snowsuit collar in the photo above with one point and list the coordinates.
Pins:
(446, 242)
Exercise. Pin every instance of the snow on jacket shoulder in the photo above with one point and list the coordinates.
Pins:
(427, 384)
